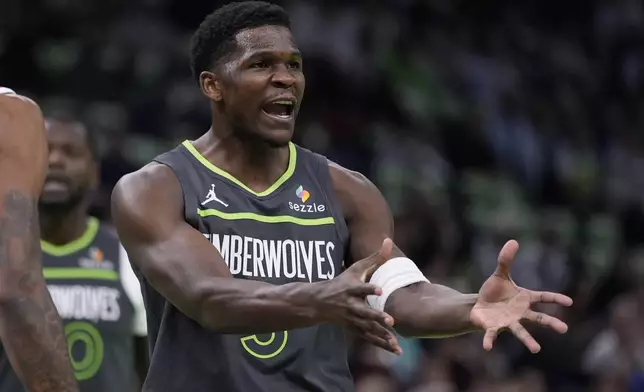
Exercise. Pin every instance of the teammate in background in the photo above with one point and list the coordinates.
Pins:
(241, 234)
(87, 270)
(30, 328)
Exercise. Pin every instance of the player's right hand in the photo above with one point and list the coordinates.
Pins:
(343, 300)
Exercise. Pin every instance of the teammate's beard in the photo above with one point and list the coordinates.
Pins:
(63, 206)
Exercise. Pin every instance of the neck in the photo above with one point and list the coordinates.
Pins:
(253, 162)
(62, 226)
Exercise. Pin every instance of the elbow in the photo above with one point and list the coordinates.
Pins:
(221, 317)
(215, 303)
(216, 317)
(208, 314)
(225, 311)
(212, 310)
(199, 299)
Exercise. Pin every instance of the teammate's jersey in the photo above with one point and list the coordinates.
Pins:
(292, 232)
(99, 300)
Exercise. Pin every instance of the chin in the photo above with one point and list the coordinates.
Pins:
(58, 203)
(275, 143)
(276, 137)
(54, 200)
(274, 131)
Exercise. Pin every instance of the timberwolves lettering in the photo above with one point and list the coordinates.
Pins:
(254, 257)
(91, 303)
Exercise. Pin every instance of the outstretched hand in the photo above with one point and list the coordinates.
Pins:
(343, 301)
(504, 305)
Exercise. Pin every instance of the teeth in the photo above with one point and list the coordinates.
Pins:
(282, 116)
(284, 102)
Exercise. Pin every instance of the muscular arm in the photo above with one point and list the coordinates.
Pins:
(30, 327)
(183, 266)
(420, 309)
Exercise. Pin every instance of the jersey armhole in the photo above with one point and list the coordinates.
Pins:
(189, 215)
(132, 288)
(324, 176)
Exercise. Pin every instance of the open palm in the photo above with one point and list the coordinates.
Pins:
(503, 305)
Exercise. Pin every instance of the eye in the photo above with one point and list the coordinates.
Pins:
(72, 151)
(259, 64)
(295, 65)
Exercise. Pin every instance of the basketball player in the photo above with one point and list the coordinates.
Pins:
(86, 269)
(30, 329)
(242, 239)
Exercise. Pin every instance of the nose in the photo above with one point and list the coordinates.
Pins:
(56, 158)
(283, 77)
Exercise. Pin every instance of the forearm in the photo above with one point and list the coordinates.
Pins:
(30, 328)
(250, 307)
(33, 337)
(431, 311)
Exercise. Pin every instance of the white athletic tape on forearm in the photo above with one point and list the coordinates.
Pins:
(6, 91)
(396, 273)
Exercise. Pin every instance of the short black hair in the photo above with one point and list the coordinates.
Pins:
(90, 135)
(215, 37)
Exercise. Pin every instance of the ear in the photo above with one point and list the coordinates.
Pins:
(211, 85)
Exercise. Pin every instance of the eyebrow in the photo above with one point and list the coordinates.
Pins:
(292, 54)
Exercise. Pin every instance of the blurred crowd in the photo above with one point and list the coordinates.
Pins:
(479, 121)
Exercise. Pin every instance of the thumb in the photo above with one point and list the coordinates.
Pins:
(505, 259)
(367, 266)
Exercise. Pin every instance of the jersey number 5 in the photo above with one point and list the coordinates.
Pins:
(265, 346)
(85, 349)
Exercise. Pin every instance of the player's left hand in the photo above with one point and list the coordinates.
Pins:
(504, 305)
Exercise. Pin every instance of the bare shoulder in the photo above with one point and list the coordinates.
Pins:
(349, 180)
(365, 210)
(354, 190)
(153, 182)
(145, 200)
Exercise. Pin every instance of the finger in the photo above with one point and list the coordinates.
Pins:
(379, 330)
(367, 266)
(376, 330)
(546, 321)
(372, 327)
(505, 259)
(382, 343)
(364, 312)
(364, 290)
(379, 259)
(489, 338)
(548, 297)
(524, 336)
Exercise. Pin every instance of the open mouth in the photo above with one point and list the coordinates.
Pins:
(55, 186)
(56, 182)
(282, 109)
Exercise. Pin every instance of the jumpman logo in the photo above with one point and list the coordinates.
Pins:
(211, 196)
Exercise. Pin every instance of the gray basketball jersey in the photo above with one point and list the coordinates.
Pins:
(99, 300)
(292, 232)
